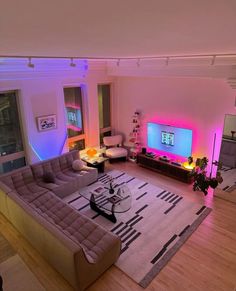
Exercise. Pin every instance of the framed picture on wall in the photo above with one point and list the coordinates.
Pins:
(46, 122)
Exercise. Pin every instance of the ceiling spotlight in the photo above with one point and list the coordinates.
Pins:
(138, 63)
(213, 60)
(72, 64)
(30, 64)
(167, 61)
(118, 62)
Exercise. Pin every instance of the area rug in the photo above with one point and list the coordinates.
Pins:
(152, 231)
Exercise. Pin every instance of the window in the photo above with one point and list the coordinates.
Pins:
(74, 114)
(104, 102)
(12, 154)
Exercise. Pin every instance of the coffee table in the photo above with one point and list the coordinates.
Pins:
(107, 204)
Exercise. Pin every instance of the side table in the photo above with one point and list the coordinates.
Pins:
(96, 162)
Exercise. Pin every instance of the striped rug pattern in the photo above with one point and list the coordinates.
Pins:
(152, 231)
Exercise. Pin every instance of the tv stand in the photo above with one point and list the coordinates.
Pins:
(165, 168)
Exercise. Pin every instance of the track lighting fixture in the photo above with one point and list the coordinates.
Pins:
(30, 64)
(213, 60)
(167, 61)
(72, 64)
(138, 63)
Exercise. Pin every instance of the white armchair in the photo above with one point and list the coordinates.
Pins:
(114, 149)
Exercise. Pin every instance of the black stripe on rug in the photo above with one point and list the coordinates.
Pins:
(84, 206)
(117, 226)
(124, 233)
(120, 175)
(143, 185)
(177, 201)
(133, 238)
(163, 250)
(133, 218)
(130, 180)
(173, 198)
(128, 236)
(73, 200)
(161, 193)
(145, 193)
(164, 196)
(169, 197)
(141, 209)
(169, 209)
(200, 210)
(183, 231)
(136, 221)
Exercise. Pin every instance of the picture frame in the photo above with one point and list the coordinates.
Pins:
(47, 122)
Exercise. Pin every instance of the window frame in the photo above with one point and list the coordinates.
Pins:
(84, 135)
(109, 128)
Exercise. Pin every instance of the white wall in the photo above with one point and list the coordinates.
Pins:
(42, 94)
(199, 104)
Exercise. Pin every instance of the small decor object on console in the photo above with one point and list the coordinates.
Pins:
(134, 136)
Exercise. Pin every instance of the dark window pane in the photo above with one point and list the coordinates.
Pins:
(77, 145)
(73, 104)
(104, 102)
(10, 133)
(12, 165)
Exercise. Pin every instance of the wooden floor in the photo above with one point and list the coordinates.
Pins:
(207, 261)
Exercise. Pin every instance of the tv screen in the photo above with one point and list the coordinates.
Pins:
(169, 139)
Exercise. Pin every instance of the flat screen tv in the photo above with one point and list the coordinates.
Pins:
(169, 139)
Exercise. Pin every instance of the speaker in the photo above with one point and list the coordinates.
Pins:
(144, 151)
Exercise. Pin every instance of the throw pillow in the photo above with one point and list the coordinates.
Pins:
(77, 165)
(48, 177)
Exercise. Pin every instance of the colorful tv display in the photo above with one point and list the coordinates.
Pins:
(169, 139)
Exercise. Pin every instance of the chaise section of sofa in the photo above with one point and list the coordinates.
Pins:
(74, 245)
(66, 180)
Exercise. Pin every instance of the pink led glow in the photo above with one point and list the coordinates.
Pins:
(73, 106)
(73, 127)
(210, 153)
(179, 123)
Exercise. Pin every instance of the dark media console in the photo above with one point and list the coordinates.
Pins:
(164, 167)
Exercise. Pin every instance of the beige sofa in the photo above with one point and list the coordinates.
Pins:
(75, 246)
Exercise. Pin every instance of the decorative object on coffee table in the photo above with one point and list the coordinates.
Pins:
(103, 202)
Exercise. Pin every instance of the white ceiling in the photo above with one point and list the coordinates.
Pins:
(124, 29)
(117, 28)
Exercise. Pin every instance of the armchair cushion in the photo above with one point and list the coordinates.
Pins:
(116, 152)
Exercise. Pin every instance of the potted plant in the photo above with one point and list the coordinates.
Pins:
(199, 173)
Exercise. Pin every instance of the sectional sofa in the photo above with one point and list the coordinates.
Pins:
(78, 248)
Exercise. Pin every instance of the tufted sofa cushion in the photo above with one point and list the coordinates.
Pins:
(22, 182)
(67, 180)
(93, 239)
